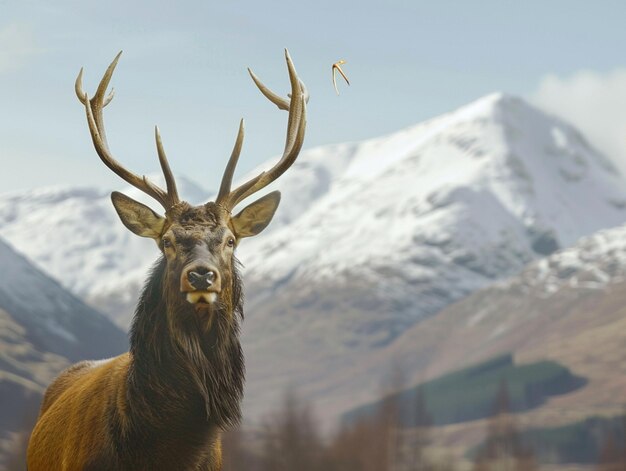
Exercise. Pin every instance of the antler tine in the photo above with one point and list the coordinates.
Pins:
(229, 171)
(279, 101)
(170, 182)
(80, 94)
(95, 120)
(296, 126)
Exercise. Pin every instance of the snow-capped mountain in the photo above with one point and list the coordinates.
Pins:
(411, 223)
(370, 237)
(75, 235)
(457, 190)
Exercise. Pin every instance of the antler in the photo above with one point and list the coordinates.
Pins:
(95, 120)
(296, 125)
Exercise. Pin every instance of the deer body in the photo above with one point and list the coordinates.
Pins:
(140, 409)
(164, 404)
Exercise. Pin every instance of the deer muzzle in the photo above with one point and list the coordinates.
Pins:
(201, 283)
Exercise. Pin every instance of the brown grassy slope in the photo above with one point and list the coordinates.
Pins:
(581, 328)
(24, 374)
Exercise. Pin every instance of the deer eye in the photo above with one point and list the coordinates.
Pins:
(230, 242)
(167, 243)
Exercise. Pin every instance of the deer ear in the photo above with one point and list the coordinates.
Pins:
(256, 216)
(137, 217)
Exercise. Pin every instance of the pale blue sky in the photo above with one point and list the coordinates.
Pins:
(184, 68)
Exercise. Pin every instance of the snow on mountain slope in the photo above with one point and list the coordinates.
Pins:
(494, 172)
(595, 262)
(75, 235)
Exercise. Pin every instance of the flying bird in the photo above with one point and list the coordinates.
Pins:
(337, 67)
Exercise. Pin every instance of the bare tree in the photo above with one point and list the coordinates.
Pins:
(290, 438)
(362, 446)
(613, 452)
(503, 449)
(415, 458)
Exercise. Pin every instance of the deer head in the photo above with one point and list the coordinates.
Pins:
(198, 242)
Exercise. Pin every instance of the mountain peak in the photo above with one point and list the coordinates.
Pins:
(498, 103)
(498, 98)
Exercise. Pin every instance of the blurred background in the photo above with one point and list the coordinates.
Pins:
(444, 284)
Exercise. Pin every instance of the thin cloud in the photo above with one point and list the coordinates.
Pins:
(17, 46)
(595, 103)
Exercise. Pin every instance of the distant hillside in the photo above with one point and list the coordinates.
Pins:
(569, 308)
(43, 329)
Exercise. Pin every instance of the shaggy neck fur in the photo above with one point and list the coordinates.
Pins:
(187, 367)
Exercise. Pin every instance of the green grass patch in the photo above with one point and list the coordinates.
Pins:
(469, 394)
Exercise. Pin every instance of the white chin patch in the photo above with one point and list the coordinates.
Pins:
(196, 297)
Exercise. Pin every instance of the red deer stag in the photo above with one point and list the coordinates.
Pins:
(162, 405)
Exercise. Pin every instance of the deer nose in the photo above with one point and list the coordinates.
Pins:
(201, 281)
(201, 278)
